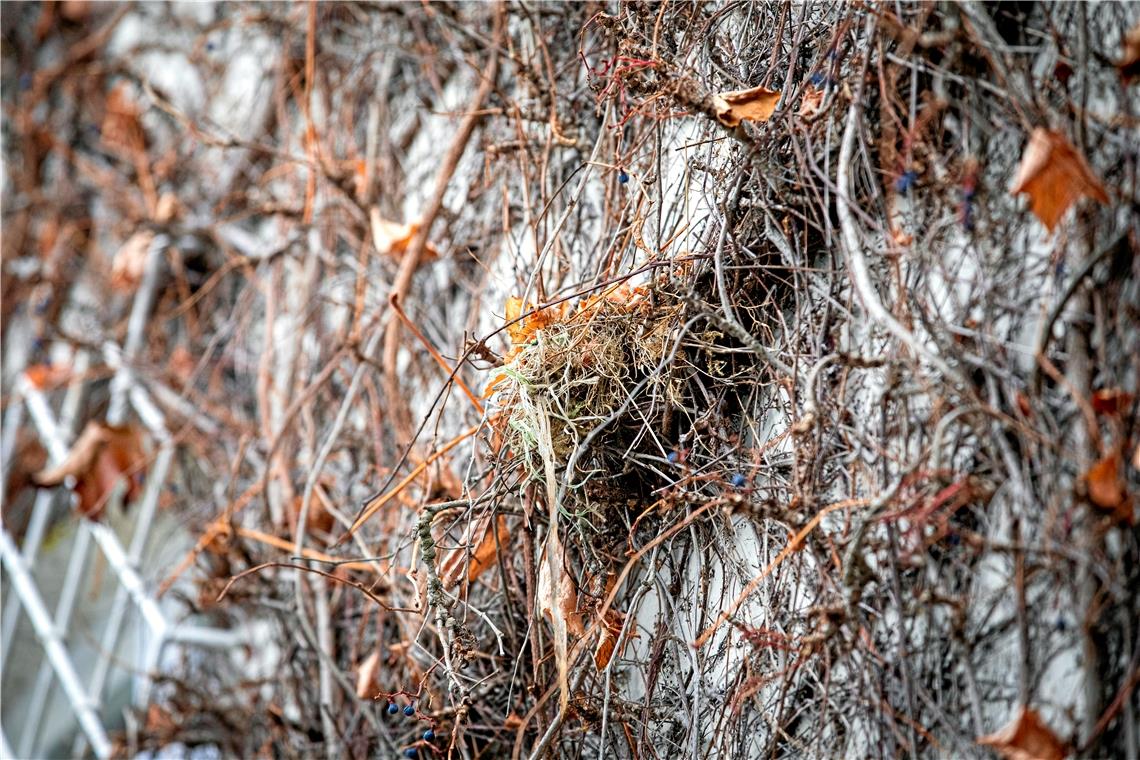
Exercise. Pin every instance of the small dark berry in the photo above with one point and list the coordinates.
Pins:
(906, 180)
(409, 711)
(1061, 625)
(1063, 72)
(673, 457)
(968, 217)
(623, 177)
(429, 735)
(738, 480)
(955, 539)
(817, 78)
(411, 752)
(210, 46)
(393, 708)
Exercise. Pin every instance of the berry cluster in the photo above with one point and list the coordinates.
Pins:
(409, 711)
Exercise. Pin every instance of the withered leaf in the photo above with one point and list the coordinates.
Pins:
(166, 208)
(130, 261)
(101, 457)
(46, 377)
(811, 102)
(755, 104)
(393, 238)
(558, 601)
(1054, 176)
(522, 331)
(366, 675)
(1026, 737)
(1106, 486)
(1111, 401)
(458, 564)
(1129, 65)
(607, 641)
(121, 130)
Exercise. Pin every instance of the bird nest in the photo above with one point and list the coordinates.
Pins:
(567, 386)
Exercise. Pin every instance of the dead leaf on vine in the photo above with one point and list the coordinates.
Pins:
(811, 102)
(130, 261)
(755, 104)
(393, 238)
(46, 377)
(159, 721)
(458, 564)
(558, 601)
(523, 330)
(1026, 737)
(1129, 65)
(101, 457)
(366, 675)
(607, 638)
(1111, 401)
(121, 130)
(167, 208)
(610, 626)
(1105, 484)
(1054, 176)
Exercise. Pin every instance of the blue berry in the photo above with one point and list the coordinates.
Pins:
(393, 708)
(968, 217)
(673, 456)
(1061, 625)
(623, 177)
(210, 46)
(411, 752)
(817, 78)
(906, 180)
(409, 711)
(738, 480)
(429, 735)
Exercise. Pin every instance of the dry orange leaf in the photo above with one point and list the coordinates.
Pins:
(101, 457)
(393, 238)
(366, 675)
(452, 568)
(611, 629)
(1111, 401)
(130, 261)
(558, 601)
(1026, 737)
(755, 104)
(522, 331)
(159, 719)
(1129, 65)
(1106, 487)
(45, 377)
(811, 102)
(166, 208)
(121, 129)
(1054, 176)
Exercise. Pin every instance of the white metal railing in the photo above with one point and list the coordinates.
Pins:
(51, 630)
